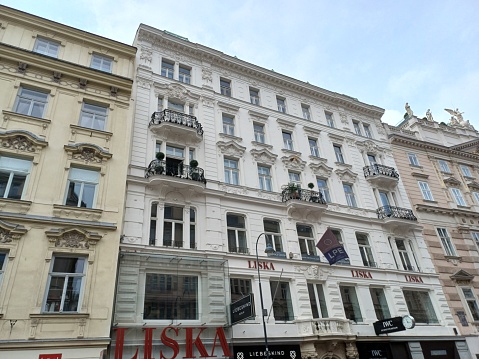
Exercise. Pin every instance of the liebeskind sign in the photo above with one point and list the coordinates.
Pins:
(242, 309)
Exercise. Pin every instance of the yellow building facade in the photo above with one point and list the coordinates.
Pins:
(65, 98)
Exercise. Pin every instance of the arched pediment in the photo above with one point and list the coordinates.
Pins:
(263, 156)
(293, 162)
(473, 185)
(369, 146)
(320, 169)
(10, 231)
(452, 182)
(21, 140)
(346, 175)
(87, 152)
(231, 148)
(176, 91)
(72, 238)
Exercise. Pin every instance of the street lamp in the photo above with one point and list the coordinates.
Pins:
(269, 249)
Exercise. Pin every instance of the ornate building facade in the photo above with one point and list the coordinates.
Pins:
(64, 145)
(229, 159)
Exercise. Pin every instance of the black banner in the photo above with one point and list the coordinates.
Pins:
(291, 351)
(390, 325)
(242, 309)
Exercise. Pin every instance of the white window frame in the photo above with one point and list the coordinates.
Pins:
(350, 291)
(94, 113)
(306, 110)
(339, 236)
(420, 302)
(338, 152)
(471, 298)
(425, 191)
(274, 238)
(382, 308)
(444, 166)
(241, 244)
(15, 168)
(350, 197)
(476, 197)
(288, 141)
(3, 264)
(231, 172)
(34, 102)
(413, 159)
(176, 106)
(225, 87)
(167, 69)
(265, 179)
(52, 47)
(78, 176)
(475, 237)
(259, 136)
(446, 242)
(174, 222)
(281, 292)
(316, 293)
(357, 128)
(458, 197)
(294, 177)
(254, 96)
(307, 243)
(324, 190)
(184, 74)
(407, 260)
(329, 119)
(466, 171)
(228, 124)
(367, 131)
(105, 65)
(281, 102)
(365, 250)
(313, 147)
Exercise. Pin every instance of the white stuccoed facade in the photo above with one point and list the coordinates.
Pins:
(228, 115)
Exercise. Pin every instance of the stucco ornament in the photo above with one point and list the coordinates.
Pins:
(408, 109)
(264, 156)
(293, 162)
(145, 56)
(207, 75)
(457, 119)
(20, 143)
(231, 148)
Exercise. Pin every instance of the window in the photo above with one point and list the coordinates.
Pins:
(184, 75)
(420, 306)
(31, 102)
(306, 112)
(306, 241)
(294, 177)
(323, 189)
(81, 187)
(288, 141)
(3, 263)
(367, 131)
(413, 161)
(175, 151)
(176, 106)
(160, 104)
(192, 228)
(264, 175)
(239, 288)
(281, 104)
(471, 303)
(191, 110)
(339, 237)
(426, 192)
(348, 192)
(100, 62)
(65, 284)
(13, 176)
(228, 125)
(365, 250)
(313, 147)
(225, 87)
(258, 132)
(466, 171)
(446, 242)
(93, 116)
(231, 171)
(170, 296)
(167, 69)
(329, 119)
(254, 96)
(273, 234)
(457, 194)
(173, 226)
(476, 196)
(282, 304)
(46, 47)
(317, 301)
(339, 153)
(351, 304)
(153, 223)
(475, 236)
(406, 254)
(357, 128)
(444, 166)
(380, 304)
(236, 234)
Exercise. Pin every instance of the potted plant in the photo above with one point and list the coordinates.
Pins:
(293, 189)
(314, 195)
(159, 169)
(311, 185)
(193, 163)
(195, 175)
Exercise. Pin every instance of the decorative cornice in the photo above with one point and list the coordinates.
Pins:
(473, 185)
(346, 175)
(293, 162)
(87, 152)
(21, 140)
(263, 156)
(10, 231)
(320, 169)
(310, 131)
(258, 116)
(176, 91)
(451, 181)
(72, 238)
(287, 125)
(419, 175)
(462, 275)
(231, 148)
(369, 146)
(228, 107)
(336, 138)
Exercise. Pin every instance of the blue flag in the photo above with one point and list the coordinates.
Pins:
(331, 248)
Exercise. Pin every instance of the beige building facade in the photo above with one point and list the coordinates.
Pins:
(438, 164)
(64, 130)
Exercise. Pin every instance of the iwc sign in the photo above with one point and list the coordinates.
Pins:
(275, 352)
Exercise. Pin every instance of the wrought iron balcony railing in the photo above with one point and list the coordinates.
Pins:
(178, 118)
(376, 169)
(302, 195)
(157, 167)
(395, 212)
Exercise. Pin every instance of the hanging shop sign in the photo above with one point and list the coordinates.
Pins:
(291, 351)
(242, 309)
(390, 325)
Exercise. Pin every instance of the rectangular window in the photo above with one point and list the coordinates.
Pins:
(317, 301)
(254, 96)
(351, 304)
(446, 242)
(153, 223)
(406, 254)
(264, 176)
(288, 141)
(258, 133)
(225, 87)
(367, 131)
(273, 234)
(236, 234)
(3, 264)
(184, 74)
(172, 151)
(357, 128)
(329, 119)
(348, 192)
(176, 106)
(46, 47)
(170, 297)
(380, 304)
(413, 159)
(466, 171)
(228, 125)
(339, 153)
(475, 236)
(323, 189)
(231, 171)
(13, 176)
(239, 288)
(339, 237)
(191, 110)
(93, 116)
(365, 250)
(31, 102)
(101, 62)
(167, 69)
(81, 187)
(173, 226)
(282, 304)
(306, 112)
(426, 192)
(281, 102)
(307, 245)
(443, 166)
(420, 306)
(65, 284)
(192, 228)
(476, 196)
(294, 177)
(457, 194)
(471, 303)
(313, 147)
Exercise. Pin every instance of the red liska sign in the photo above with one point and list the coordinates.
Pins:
(50, 356)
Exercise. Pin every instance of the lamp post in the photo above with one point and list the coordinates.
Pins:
(268, 249)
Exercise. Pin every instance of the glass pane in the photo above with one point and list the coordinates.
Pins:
(235, 221)
(16, 188)
(322, 301)
(68, 265)
(178, 234)
(282, 305)
(84, 175)
(88, 195)
(312, 301)
(72, 295)
(174, 213)
(37, 110)
(232, 240)
(271, 226)
(54, 296)
(23, 106)
(99, 122)
(167, 233)
(73, 194)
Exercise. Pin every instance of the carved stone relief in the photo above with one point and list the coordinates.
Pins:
(231, 148)
(264, 156)
(293, 162)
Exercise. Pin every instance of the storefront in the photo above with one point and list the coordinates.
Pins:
(411, 350)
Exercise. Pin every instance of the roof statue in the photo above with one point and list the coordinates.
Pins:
(408, 110)
(429, 115)
(457, 119)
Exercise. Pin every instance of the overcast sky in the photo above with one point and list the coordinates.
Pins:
(382, 52)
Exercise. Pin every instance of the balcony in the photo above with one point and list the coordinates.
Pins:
(397, 217)
(175, 175)
(331, 327)
(302, 202)
(168, 123)
(382, 176)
